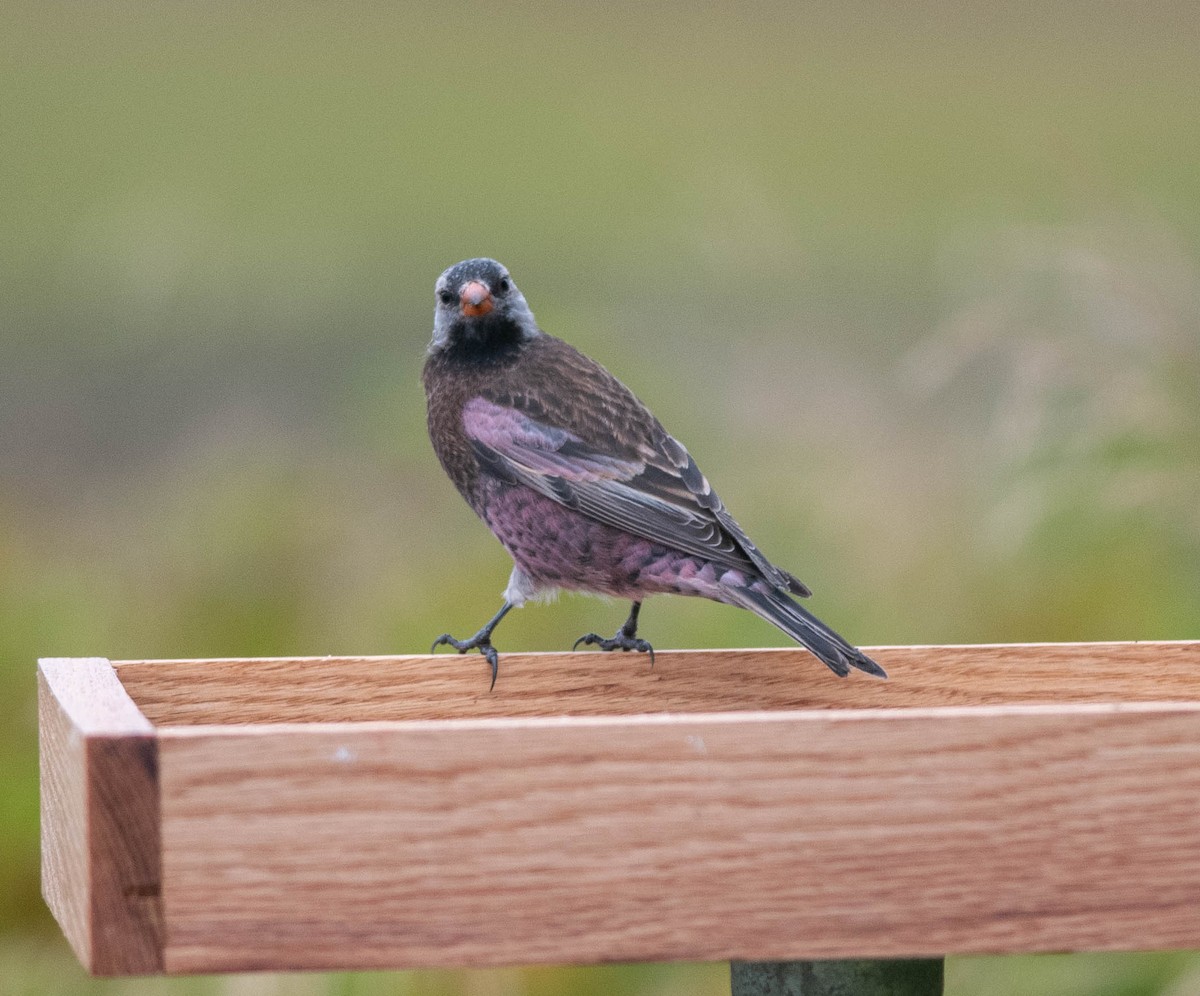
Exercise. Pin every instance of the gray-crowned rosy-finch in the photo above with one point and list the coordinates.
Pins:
(579, 481)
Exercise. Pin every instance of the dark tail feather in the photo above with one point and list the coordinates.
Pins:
(803, 627)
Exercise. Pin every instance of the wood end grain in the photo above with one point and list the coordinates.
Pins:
(100, 817)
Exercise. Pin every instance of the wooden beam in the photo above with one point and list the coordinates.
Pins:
(858, 834)
(726, 805)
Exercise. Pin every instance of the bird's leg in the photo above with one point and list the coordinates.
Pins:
(481, 641)
(625, 638)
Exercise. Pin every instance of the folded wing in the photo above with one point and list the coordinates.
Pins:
(652, 489)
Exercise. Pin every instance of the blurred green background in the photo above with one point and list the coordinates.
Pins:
(919, 286)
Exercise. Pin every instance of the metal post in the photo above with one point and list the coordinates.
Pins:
(908, 977)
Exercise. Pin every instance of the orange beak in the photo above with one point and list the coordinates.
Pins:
(476, 299)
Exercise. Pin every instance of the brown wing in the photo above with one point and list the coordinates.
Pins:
(601, 452)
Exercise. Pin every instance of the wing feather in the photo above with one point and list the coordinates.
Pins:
(656, 491)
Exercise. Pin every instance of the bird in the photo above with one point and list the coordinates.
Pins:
(580, 483)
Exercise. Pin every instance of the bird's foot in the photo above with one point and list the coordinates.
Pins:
(621, 641)
(481, 641)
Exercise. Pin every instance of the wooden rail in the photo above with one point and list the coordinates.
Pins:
(745, 805)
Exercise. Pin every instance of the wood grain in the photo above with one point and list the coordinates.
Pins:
(836, 834)
(334, 689)
(99, 808)
(745, 805)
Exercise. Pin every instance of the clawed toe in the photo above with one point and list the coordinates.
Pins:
(478, 642)
(446, 640)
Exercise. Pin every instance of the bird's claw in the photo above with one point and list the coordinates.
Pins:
(619, 642)
(480, 641)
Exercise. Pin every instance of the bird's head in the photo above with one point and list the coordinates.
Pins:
(479, 310)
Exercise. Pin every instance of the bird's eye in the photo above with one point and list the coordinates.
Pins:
(503, 285)
(446, 297)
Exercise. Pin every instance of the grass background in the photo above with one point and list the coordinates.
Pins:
(918, 286)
